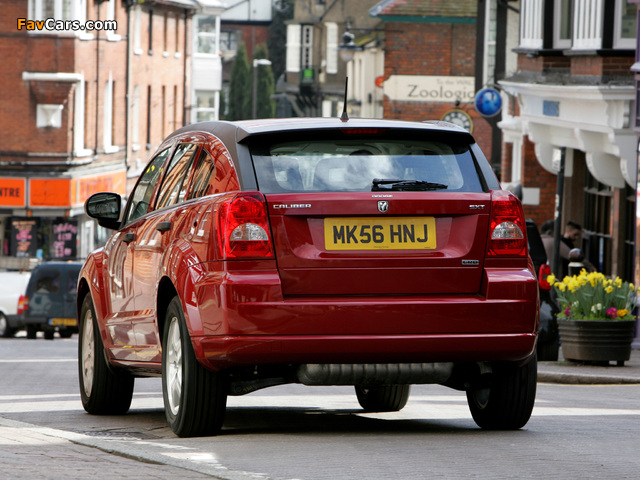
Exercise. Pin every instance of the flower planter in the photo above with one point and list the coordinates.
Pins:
(599, 341)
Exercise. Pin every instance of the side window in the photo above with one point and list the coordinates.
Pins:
(214, 173)
(141, 195)
(205, 171)
(174, 186)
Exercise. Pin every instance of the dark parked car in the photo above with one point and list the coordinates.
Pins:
(548, 336)
(371, 253)
(49, 303)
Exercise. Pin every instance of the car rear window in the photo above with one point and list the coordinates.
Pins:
(358, 164)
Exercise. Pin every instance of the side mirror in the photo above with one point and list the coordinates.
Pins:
(105, 207)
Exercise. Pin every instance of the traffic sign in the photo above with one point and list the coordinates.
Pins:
(488, 102)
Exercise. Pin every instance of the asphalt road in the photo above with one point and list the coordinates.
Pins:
(306, 433)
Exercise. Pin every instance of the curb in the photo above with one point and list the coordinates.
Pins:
(585, 379)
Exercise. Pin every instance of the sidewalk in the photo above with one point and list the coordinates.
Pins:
(576, 373)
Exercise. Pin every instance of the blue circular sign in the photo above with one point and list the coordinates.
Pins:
(488, 102)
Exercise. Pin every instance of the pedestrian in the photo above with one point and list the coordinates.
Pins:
(572, 235)
(546, 234)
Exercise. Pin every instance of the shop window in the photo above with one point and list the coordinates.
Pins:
(597, 237)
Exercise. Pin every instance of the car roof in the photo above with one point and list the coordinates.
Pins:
(243, 129)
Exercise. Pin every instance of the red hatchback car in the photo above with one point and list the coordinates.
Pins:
(371, 253)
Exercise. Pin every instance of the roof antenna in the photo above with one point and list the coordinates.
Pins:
(344, 117)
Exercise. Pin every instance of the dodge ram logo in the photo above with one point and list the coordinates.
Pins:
(383, 206)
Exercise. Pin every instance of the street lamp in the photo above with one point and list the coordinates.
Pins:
(256, 62)
(348, 47)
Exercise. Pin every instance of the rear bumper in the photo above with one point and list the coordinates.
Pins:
(15, 321)
(220, 353)
(242, 319)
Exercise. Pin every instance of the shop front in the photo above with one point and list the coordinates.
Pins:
(43, 218)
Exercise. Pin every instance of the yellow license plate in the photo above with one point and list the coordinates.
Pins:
(375, 233)
(66, 322)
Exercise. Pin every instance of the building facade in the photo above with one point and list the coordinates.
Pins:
(90, 89)
(570, 103)
(430, 64)
(314, 80)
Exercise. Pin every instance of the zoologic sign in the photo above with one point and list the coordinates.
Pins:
(431, 88)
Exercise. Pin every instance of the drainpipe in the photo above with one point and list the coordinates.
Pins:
(128, 98)
(95, 151)
(557, 228)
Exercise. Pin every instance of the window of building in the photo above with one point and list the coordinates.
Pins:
(108, 126)
(531, 19)
(149, 104)
(228, 42)
(597, 237)
(163, 113)
(563, 19)
(307, 46)
(587, 24)
(165, 35)
(625, 28)
(137, 36)
(332, 47)
(175, 107)
(59, 10)
(206, 35)
(135, 118)
(178, 34)
(150, 32)
(293, 48)
(111, 16)
(205, 106)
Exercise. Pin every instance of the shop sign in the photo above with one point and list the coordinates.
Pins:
(429, 88)
(65, 234)
(13, 192)
(24, 237)
(49, 192)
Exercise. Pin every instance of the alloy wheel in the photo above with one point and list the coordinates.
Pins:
(88, 349)
(174, 366)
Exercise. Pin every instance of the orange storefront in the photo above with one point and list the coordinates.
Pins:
(43, 217)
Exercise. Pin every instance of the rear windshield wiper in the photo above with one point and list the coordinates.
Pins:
(384, 185)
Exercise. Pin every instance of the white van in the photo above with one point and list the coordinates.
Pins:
(12, 285)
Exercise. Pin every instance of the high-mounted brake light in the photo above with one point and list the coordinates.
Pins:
(507, 227)
(363, 131)
(243, 227)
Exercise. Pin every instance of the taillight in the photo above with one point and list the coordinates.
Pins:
(23, 304)
(543, 273)
(507, 228)
(243, 227)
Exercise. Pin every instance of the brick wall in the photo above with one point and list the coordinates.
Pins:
(432, 49)
(534, 176)
(99, 57)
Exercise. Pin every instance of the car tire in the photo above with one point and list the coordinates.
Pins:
(65, 333)
(48, 334)
(195, 398)
(32, 331)
(104, 391)
(506, 402)
(387, 398)
(5, 330)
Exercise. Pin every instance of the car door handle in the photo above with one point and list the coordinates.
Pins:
(163, 226)
(128, 237)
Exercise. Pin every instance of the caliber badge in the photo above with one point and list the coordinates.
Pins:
(383, 206)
